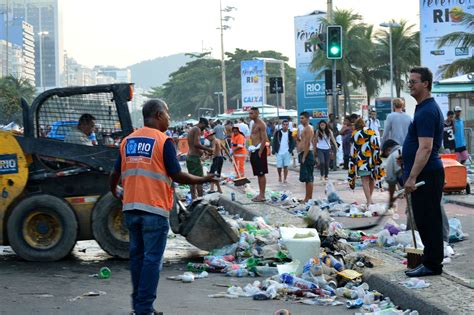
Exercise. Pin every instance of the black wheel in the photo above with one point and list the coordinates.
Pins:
(468, 189)
(108, 226)
(42, 228)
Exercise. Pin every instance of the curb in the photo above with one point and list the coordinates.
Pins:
(401, 296)
(460, 203)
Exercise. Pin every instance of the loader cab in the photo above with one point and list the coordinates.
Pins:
(58, 192)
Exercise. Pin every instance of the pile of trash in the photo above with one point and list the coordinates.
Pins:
(334, 276)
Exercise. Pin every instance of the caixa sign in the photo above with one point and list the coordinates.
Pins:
(314, 89)
(8, 164)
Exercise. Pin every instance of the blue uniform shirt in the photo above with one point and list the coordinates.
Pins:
(459, 133)
(169, 156)
(427, 123)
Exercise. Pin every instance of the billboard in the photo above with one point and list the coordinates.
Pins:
(310, 92)
(252, 75)
(438, 18)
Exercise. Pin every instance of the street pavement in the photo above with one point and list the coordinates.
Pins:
(59, 288)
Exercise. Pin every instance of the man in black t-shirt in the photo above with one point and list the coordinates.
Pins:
(448, 133)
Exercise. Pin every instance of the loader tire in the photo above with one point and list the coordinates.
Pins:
(42, 228)
(108, 226)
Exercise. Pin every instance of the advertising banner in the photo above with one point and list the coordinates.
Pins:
(438, 18)
(310, 87)
(252, 76)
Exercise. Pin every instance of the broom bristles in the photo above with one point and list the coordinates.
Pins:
(414, 257)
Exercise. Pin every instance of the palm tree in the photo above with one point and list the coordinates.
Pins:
(460, 39)
(405, 48)
(368, 66)
(12, 89)
(352, 33)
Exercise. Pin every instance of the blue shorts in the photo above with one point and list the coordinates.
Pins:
(283, 160)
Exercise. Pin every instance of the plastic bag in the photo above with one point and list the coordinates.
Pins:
(331, 193)
(405, 238)
(314, 213)
(455, 230)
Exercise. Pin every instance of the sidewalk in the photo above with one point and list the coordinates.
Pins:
(450, 293)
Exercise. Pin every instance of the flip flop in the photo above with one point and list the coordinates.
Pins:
(255, 199)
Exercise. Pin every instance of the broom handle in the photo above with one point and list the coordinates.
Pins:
(412, 220)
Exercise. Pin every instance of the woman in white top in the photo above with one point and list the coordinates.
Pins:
(322, 142)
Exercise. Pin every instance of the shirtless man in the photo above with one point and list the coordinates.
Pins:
(258, 158)
(193, 161)
(306, 156)
(217, 159)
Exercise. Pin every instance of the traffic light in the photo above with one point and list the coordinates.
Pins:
(334, 42)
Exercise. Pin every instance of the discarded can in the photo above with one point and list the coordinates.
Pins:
(104, 273)
(354, 303)
(232, 196)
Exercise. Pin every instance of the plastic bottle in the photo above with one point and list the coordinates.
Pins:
(297, 282)
(189, 198)
(330, 261)
(369, 298)
(238, 273)
(242, 241)
(104, 273)
(252, 262)
(361, 246)
(347, 293)
(281, 255)
(266, 271)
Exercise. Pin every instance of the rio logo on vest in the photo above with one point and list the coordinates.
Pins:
(139, 149)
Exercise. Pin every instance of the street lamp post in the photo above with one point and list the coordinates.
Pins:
(390, 25)
(41, 34)
(218, 102)
(222, 29)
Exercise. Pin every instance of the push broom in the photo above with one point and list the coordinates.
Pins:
(240, 180)
(414, 254)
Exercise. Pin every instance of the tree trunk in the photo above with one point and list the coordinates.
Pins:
(398, 83)
(347, 98)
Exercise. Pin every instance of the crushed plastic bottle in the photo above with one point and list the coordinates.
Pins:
(266, 271)
(297, 282)
(238, 273)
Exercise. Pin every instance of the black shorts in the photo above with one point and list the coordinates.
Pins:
(307, 168)
(216, 167)
(259, 164)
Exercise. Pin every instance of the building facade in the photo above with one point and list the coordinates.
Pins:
(45, 18)
(117, 74)
(17, 48)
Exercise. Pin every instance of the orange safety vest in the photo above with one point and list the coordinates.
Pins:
(146, 184)
(236, 140)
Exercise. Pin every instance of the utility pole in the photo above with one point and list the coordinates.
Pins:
(224, 84)
(7, 37)
(223, 28)
(330, 19)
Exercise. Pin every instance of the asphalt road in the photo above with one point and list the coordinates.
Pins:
(62, 288)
